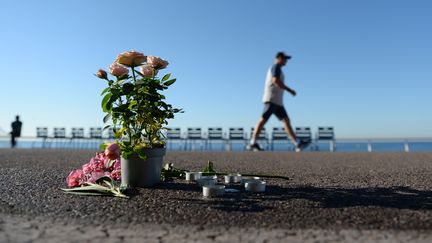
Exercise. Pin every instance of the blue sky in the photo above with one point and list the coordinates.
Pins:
(364, 67)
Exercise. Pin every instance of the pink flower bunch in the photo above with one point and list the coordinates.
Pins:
(105, 163)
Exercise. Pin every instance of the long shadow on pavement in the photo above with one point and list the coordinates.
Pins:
(336, 197)
(326, 197)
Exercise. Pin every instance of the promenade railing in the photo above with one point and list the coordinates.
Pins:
(235, 139)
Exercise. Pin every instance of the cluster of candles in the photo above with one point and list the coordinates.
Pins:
(211, 187)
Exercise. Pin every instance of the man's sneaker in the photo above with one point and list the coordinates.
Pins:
(301, 145)
(254, 147)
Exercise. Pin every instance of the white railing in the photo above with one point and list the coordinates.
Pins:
(370, 142)
(363, 144)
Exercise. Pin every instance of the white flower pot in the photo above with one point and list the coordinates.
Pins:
(137, 172)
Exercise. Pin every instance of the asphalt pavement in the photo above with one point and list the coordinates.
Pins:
(329, 197)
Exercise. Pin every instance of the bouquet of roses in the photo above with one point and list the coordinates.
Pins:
(100, 176)
(136, 110)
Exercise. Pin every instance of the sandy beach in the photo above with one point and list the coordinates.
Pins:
(351, 197)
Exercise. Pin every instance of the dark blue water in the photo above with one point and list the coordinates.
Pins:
(234, 146)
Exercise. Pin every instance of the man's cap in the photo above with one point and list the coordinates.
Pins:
(282, 54)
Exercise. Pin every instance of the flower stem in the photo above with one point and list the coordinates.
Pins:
(129, 132)
(257, 175)
(133, 74)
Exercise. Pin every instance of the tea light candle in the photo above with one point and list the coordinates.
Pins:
(206, 180)
(255, 186)
(213, 190)
(248, 178)
(193, 176)
(233, 178)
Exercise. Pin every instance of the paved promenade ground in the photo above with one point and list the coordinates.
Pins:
(331, 197)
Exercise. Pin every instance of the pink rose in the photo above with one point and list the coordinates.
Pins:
(112, 151)
(131, 58)
(96, 164)
(156, 62)
(97, 175)
(117, 165)
(75, 178)
(118, 70)
(116, 175)
(100, 156)
(86, 168)
(148, 71)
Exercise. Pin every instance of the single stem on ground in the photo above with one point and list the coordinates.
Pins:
(257, 175)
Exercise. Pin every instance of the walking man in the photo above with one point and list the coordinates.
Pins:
(16, 131)
(273, 103)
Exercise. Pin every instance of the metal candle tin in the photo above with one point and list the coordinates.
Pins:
(248, 178)
(193, 176)
(213, 190)
(255, 185)
(233, 178)
(206, 180)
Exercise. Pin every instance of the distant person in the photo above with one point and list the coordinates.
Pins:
(273, 103)
(16, 131)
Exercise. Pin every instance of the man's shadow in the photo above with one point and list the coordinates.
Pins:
(337, 197)
(326, 197)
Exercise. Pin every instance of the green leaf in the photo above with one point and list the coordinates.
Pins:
(90, 188)
(127, 154)
(106, 178)
(122, 79)
(119, 132)
(105, 90)
(169, 82)
(115, 92)
(140, 153)
(121, 108)
(84, 193)
(105, 101)
(128, 88)
(132, 104)
(169, 172)
(139, 73)
(103, 146)
(106, 118)
(209, 168)
(106, 127)
(166, 77)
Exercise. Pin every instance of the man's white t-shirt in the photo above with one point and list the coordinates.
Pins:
(272, 93)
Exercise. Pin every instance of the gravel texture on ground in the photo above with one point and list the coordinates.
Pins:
(329, 197)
